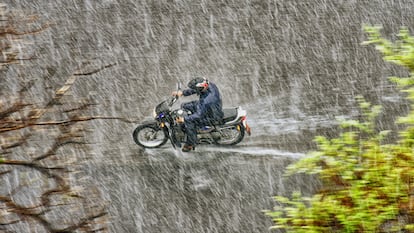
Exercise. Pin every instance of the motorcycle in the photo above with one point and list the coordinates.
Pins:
(155, 133)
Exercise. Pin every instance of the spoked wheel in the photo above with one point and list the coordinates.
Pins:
(230, 135)
(149, 136)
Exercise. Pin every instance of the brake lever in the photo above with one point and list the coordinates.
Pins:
(173, 100)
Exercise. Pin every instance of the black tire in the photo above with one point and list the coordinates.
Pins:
(237, 130)
(155, 135)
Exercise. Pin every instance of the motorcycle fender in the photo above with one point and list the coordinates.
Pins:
(247, 127)
(239, 123)
(151, 122)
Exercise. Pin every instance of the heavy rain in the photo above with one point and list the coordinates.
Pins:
(294, 66)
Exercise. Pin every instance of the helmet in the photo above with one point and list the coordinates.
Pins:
(198, 84)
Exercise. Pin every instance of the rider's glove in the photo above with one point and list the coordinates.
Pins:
(177, 93)
(179, 120)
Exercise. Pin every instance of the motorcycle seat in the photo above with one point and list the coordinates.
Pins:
(230, 114)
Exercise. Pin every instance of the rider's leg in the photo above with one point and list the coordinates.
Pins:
(190, 106)
(191, 132)
(191, 127)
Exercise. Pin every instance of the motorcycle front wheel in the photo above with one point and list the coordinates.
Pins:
(230, 135)
(149, 136)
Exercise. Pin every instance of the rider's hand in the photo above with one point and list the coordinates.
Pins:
(179, 119)
(177, 93)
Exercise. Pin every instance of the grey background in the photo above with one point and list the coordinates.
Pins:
(294, 65)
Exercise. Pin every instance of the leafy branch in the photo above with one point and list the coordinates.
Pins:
(367, 184)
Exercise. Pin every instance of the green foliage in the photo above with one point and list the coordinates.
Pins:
(367, 184)
(400, 52)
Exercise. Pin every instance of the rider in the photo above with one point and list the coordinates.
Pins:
(205, 111)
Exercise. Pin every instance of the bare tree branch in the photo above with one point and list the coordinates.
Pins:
(21, 123)
(79, 73)
(83, 222)
(82, 118)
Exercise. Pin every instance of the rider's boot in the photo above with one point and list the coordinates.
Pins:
(187, 148)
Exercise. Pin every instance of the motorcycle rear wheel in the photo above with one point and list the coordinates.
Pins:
(230, 135)
(149, 136)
